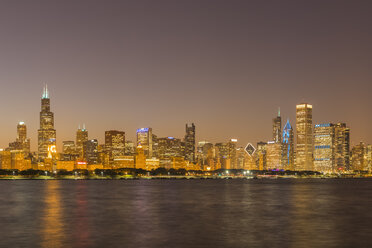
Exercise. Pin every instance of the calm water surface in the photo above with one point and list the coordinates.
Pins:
(186, 213)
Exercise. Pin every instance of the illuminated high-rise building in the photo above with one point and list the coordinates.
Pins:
(22, 137)
(273, 155)
(357, 157)
(288, 147)
(91, 151)
(190, 143)
(223, 152)
(155, 145)
(114, 144)
(304, 137)
(144, 138)
(368, 158)
(81, 138)
(68, 147)
(261, 155)
(22, 143)
(129, 148)
(324, 147)
(46, 133)
(203, 152)
(342, 146)
(69, 151)
(277, 128)
(169, 147)
(232, 153)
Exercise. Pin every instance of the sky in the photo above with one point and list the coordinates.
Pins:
(225, 65)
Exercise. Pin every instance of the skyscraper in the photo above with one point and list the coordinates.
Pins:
(69, 151)
(288, 147)
(190, 143)
(22, 143)
(324, 147)
(261, 155)
(144, 138)
(232, 152)
(91, 151)
(46, 133)
(342, 146)
(304, 137)
(357, 154)
(81, 138)
(273, 155)
(277, 128)
(169, 147)
(114, 144)
(22, 137)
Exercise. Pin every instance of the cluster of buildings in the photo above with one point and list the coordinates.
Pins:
(321, 147)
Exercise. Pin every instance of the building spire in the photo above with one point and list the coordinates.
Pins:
(279, 112)
(45, 92)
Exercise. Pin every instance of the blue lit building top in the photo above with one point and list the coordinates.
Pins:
(142, 130)
(323, 125)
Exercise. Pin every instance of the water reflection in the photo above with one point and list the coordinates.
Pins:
(312, 223)
(52, 231)
(81, 218)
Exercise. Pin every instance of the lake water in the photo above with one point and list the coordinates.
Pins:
(186, 213)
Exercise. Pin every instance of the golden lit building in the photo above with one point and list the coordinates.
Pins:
(140, 162)
(342, 147)
(357, 157)
(304, 137)
(250, 161)
(123, 162)
(368, 158)
(261, 155)
(114, 144)
(152, 163)
(46, 133)
(66, 165)
(179, 163)
(18, 161)
(81, 138)
(324, 147)
(144, 138)
(5, 160)
(273, 155)
(81, 165)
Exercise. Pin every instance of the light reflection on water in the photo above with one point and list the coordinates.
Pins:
(52, 225)
(186, 213)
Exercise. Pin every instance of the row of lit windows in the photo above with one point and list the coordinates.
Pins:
(323, 125)
(322, 147)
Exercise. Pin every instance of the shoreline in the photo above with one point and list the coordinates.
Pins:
(174, 177)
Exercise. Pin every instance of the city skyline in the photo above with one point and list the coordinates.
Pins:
(46, 95)
(227, 67)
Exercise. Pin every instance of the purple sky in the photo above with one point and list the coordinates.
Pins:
(224, 65)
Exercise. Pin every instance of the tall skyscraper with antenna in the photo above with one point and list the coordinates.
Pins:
(46, 133)
(81, 138)
(277, 128)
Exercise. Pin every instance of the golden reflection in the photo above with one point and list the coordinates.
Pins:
(52, 225)
(310, 226)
